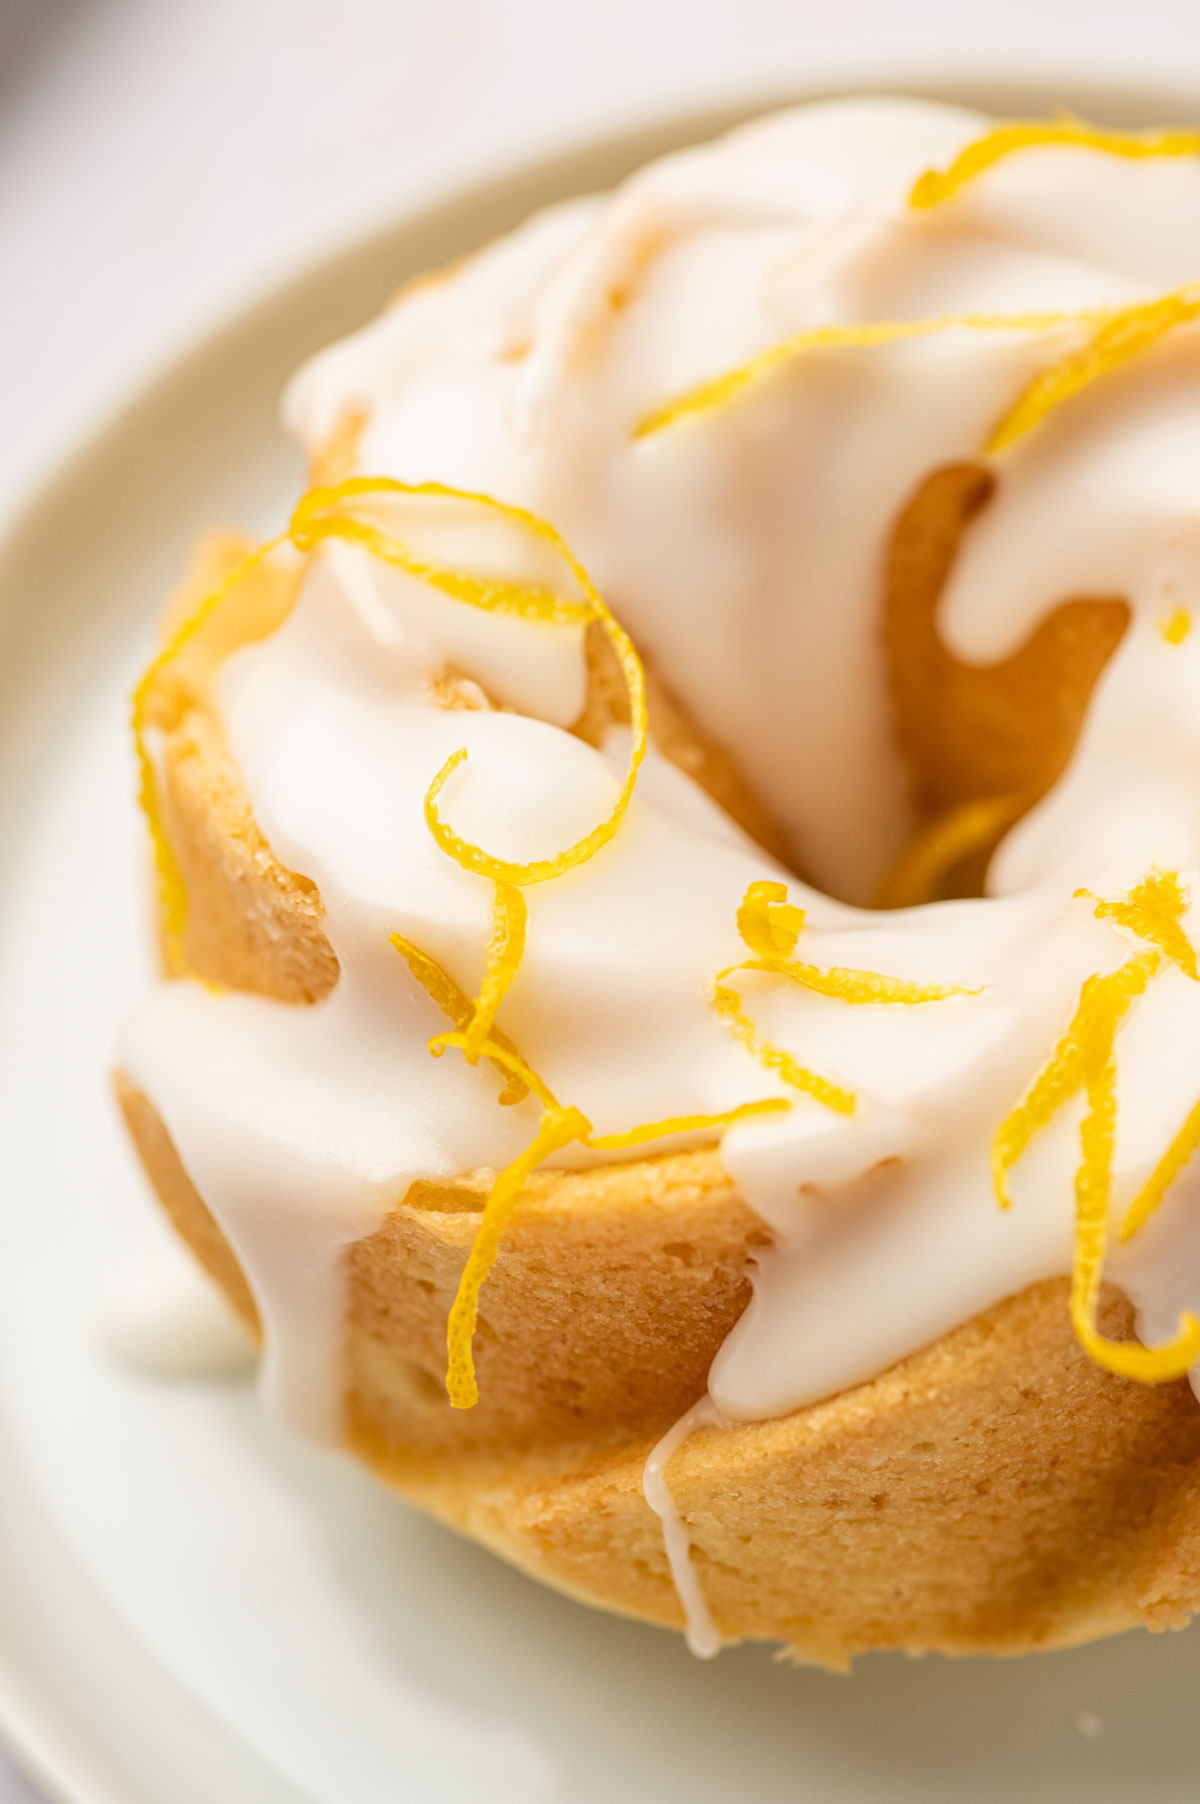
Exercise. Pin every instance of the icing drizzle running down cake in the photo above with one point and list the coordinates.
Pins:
(724, 386)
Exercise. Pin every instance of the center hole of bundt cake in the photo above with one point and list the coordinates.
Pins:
(981, 742)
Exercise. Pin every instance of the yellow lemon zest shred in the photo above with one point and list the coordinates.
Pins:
(1152, 911)
(456, 1005)
(857, 987)
(1093, 1183)
(1163, 1176)
(716, 391)
(1084, 1059)
(1176, 626)
(1120, 337)
(507, 1057)
(1118, 334)
(1086, 1043)
(932, 853)
(558, 1128)
(684, 1124)
(505, 951)
(937, 185)
(470, 857)
(767, 922)
(560, 1125)
(435, 980)
(770, 926)
(728, 1005)
(172, 891)
(321, 514)
(1161, 891)
(499, 1051)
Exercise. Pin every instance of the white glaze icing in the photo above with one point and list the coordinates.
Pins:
(745, 552)
(700, 1631)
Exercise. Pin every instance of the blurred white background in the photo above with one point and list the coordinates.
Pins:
(162, 159)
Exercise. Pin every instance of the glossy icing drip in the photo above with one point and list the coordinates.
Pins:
(744, 550)
(701, 1632)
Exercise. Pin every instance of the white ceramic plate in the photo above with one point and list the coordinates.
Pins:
(191, 1608)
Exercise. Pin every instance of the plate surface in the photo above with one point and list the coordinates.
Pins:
(191, 1607)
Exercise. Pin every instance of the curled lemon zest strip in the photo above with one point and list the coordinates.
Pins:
(919, 873)
(557, 1129)
(319, 515)
(1176, 627)
(937, 185)
(1163, 1176)
(728, 1005)
(1124, 334)
(1152, 911)
(457, 1006)
(470, 857)
(1093, 1184)
(767, 922)
(715, 391)
(684, 1124)
(770, 926)
(172, 891)
(435, 980)
(507, 1056)
(1086, 1044)
(505, 951)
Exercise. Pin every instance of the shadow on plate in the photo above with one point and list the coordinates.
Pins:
(615, 1701)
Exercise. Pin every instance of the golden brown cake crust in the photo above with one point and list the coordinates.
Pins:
(995, 1492)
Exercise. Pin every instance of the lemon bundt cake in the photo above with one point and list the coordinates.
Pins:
(681, 1025)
